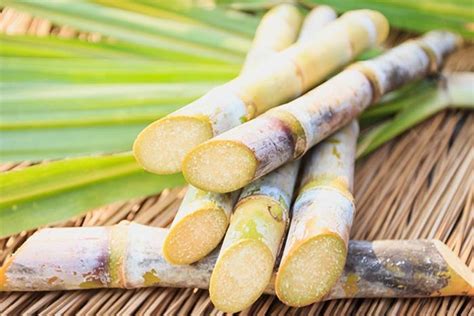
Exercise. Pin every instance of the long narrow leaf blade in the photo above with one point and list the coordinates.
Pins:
(56, 191)
(53, 121)
(409, 96)
(231, 20)
(403, 121)
(138, 28)
(94, 70)
(31, 46)
(420, 16)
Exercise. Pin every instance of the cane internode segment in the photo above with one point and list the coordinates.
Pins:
(254, 236)
(318, 113)
(321, 220)
(79, 256)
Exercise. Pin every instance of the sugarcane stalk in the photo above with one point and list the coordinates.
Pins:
(161, 146)
(122, 256)
(203, 217)
(199, 225)
(277, 30)
(287, 132)
(321, 221)
(254, 236)
(316, 19)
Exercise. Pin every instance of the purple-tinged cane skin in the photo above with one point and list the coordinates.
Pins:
(84, 257)
(321, 221)
(249, 151)
(161, 147)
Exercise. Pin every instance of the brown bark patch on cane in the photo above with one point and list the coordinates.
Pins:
(409, 278)
(278, 142)
(51, 281)
(297, 132)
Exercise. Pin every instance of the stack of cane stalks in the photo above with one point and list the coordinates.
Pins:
(269, 157)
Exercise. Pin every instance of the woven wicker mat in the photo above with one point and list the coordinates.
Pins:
(420, 185)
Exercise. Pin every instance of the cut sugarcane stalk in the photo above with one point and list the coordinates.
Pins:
(122, 256)
(199, 225)
(287, 19)
(235, 158)
(161, 146)
(254, 236)
(203, 217)
(277, 30)
(321, 221)
(258, 224)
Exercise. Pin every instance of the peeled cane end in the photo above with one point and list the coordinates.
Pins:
(195, 236)
(461, 279)
(220, 166)
(241, 275)
(381, 24)
(288, 11)
(310, 270)
(161, 146)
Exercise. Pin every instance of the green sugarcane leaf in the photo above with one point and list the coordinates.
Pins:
(53, 192)
(213, 35)
(256, 6)
(419, 16)
(24, 96)
(450, 90)
(51, 121)
(139, 29)
(231, 20)
(433, 102)
(93, 70)
(50, 46)
(394, 102)
(34, 144)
